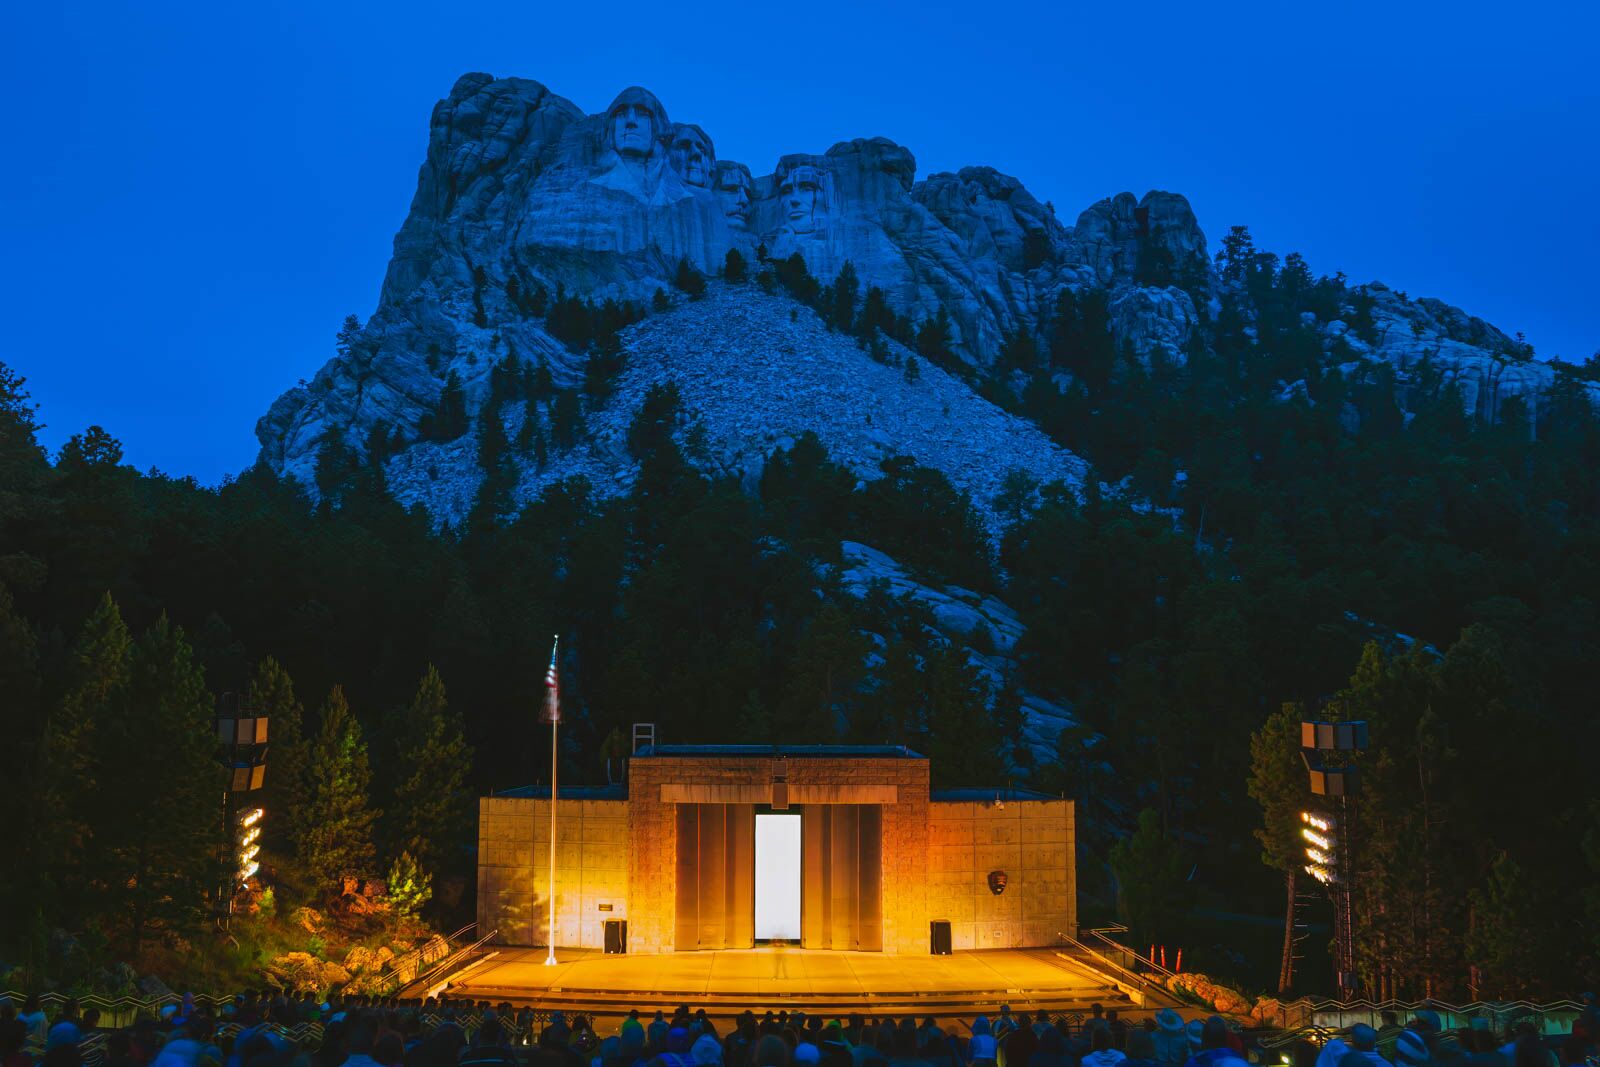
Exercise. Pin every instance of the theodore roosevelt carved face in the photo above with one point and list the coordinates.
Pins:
(733, 191)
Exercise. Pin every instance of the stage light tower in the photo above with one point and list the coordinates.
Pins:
(1329, 750)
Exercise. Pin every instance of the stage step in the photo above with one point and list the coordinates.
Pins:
(730, 1005)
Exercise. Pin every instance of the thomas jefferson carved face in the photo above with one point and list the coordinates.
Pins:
(802, 196)
(691, 154)
(733, 190)
(635, 121)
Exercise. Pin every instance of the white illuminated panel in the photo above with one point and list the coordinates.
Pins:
(777, 877)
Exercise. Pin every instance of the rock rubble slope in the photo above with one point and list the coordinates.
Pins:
(755, 372)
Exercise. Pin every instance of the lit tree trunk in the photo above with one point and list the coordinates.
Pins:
(1286, 968)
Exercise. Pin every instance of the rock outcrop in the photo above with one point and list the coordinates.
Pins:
(1466, 352)
(984, 626)
(521, 192)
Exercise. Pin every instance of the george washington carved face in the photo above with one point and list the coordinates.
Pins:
(635, 123)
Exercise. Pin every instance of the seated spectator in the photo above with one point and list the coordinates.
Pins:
(1216, 1046)
(1410, 1049)
(1101, 1052)
(1052, 1051)
(34, 1021)
(771, 1051)
(1141, 1049)
(1171, 1039)
(981, 1046)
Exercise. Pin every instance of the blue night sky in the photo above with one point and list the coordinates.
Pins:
(195, 195)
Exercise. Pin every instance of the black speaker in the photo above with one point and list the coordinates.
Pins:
(616, 936)
(939, 937)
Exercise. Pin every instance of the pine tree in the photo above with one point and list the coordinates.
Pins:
(689, 280)
(23, 468)
(841, 311)
(933, 340)
(428, 816)
(1153, 893)
(410, 886)
(963, 744)
(499, 468)
(566, 420)
(734, 268)
(334, 826)
(159, 840)
(831, 660)
(99, 670)
(1279, 784)
(271, 693)
(1506, 941)
(349, 331)
(448, 420)
(24, 891)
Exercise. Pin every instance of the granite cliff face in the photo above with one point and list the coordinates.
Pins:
(521, 192)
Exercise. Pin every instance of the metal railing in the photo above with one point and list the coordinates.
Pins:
(1125, 955)
(426, 982)
(403, 969)
(1135, 986)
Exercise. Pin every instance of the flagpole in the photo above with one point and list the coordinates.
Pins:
(555, 719)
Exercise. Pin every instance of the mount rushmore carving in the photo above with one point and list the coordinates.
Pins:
(522, 191)
(519, 181)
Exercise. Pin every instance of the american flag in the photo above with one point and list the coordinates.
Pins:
(552, 691)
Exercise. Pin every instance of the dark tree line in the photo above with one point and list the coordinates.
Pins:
(1321, 547)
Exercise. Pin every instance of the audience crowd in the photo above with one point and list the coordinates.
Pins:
(299, 1030)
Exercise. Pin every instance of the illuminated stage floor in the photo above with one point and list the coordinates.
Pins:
(728, 982)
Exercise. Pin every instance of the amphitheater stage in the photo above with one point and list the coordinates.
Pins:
(728, 982)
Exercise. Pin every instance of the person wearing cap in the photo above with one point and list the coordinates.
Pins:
(1216, 1045)
(1171, 1039)
(806, 1052)
(1410, 1049)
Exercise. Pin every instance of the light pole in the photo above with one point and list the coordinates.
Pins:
(552, 715)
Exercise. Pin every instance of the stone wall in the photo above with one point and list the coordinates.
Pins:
(653, 830)
(936, 855)
(1033, 842)
(514, 865)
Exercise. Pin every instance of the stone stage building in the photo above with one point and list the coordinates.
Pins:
(729, 846)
